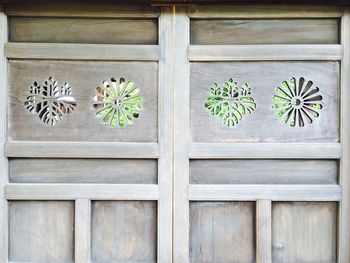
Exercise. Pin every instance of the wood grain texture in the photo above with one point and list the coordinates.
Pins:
(263, 231)
(85, 191)
(304, 232)
(263, 78)
(263, 172)
(124, 231)
(82, 51)
(264, 52)
(82, 230)
(267, 31)
(111, 171)
(71, 9)
(41, 231)
(222, 232)
(83, 30)
(84, 78)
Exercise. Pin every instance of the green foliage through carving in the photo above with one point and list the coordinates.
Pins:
(297, 102)
(230, 103)
(118, 103)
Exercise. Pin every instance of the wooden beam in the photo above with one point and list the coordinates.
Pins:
(263, 231)
(85, 191)
(264, 52)
(265, 150)
(82, 149)
(269, 192)
(82, 51)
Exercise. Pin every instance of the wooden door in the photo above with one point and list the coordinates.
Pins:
(177, 134)
(89, 134)
(261, 135)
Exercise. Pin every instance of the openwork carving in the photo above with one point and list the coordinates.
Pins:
(118, 103)
(49, 101)
(297, 102)
(230, 103)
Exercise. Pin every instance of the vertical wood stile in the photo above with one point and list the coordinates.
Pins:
(181, 161)
(344, 215)
(263, 231)
(82, 230)
(165, 165)
(3, 124)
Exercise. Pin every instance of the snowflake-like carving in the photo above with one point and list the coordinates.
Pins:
(118, 103)
(297, 102)
(49, 101)
(230, 103)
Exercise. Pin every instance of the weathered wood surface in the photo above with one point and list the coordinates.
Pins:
(111, 171)
(84, 78)
(83, 30)
(273, 31)
(304, 232)
(41, 231)
(263, 231)
(263, 172)
(222, 232)
(263, 78)
(124, 231)
(82, 232)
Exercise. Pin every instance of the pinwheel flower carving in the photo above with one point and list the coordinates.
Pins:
(49, 101)
(297, 102)
(229, 103)
(117, 103)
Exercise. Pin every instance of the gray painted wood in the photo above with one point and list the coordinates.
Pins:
(304, 232)
(83, 30)
(263, 172)
(84, 78)
(222, 232)
(263, 78)
(267, 31)
(111, 171)
(41, 231)
(124, 231)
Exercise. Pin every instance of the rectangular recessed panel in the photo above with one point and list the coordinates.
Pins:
(263, 171)
(100, 114)
(252, 110)
(117, 171)
(222, 232)
(41, 231)
(269, 31)
(83, 30)
(124, 231)
(304, 232)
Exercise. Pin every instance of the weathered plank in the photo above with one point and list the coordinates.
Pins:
(263, 231)
(82, 230)
(304, 232)
(269, 192)
(64, 51)
(83, 78)
(108, 171)
(263, 172)
(124, 231)
(41, 231)
(264, 31)
(264, 52)
(222, 232)
(263, 125)
(83, 30)
(85, 191)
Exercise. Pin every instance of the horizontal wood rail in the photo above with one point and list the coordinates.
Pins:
(82, 149)
(265, 150)
(82, 51)
(78, 10)
(270, 192)
(264, 52)
(75, 191)
(266, 11)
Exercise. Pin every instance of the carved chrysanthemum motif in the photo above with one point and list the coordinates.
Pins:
(118, 103)
(49, 101)
(230, 103)
(297, 102)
